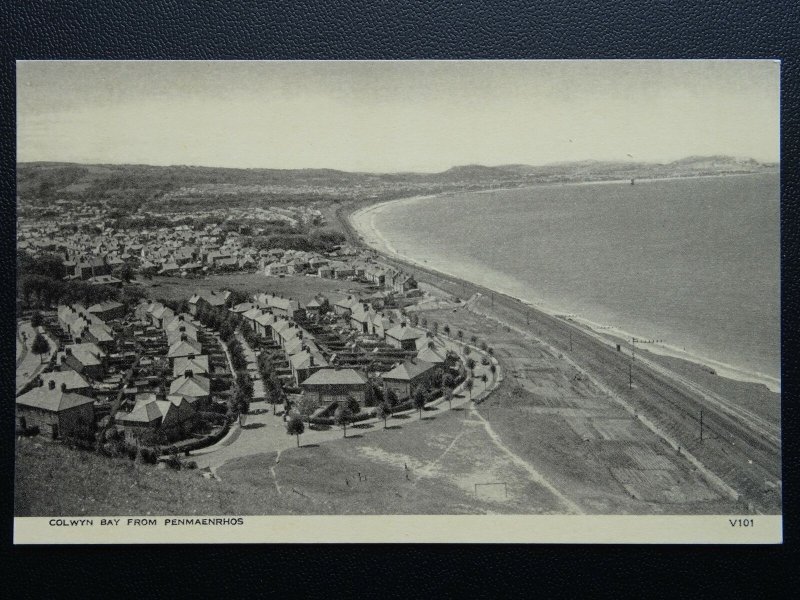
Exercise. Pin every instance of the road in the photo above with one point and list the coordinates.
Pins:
(29, 365)
(264, 431)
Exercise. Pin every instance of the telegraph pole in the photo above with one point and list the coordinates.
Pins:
(633, 348)
(570, 340)
(630, 376)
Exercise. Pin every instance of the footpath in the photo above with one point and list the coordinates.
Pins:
(264, 432)
(29, 365)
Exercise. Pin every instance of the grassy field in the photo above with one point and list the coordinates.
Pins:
(421, 468)
(592, 450)
(292, 286)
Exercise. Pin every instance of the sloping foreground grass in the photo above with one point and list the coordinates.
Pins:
(53, 480)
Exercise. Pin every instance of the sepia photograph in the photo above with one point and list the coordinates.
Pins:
(398, 301)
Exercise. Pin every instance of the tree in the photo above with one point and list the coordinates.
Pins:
(446, 329)
(342, 417)
(419, 400)
(424, 322)
(384, 411)
(306, 407)
(490, 351)
(493, 369)
(435, 327)
(483, 346)
(448, 395)
(391, 398)
(470, 364)
(467, 350)
(448, 381)
(353, 405)
(295, 427)
(40, 345)
(484, 378)
(36, 319)
(460, 335)
(468, 385)
(473, 339)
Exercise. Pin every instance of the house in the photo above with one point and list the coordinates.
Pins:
(335, 385)
(209, 299)
(184, 346)
(344, 307)
(98, 334)
(281, 307)
(403, 336)
(251, 315)
(177, 321)
(190, 331)
(195, 364)
(195, 388)
(341, 270)
(161, 314)
(406, 377)
(305, 363)
(85, 358)
(361, 316)
(56, 411)
(92, 267)
(276, 269)
(402, 282)
(108, 311)
(173, 418)
(381, 323)
(436, 355)
(264, 322)
(72, 380)
(313, 309)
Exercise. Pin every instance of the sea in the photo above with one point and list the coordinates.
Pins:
(690, 265)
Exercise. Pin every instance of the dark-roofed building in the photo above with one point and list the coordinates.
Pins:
(174, 418)
(335, 385)
(108, 311)
(406, 377)
(56, 411)
(404, 336)
(86, 358)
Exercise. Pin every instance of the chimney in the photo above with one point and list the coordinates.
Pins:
(41, 382)
(183, 337)
(51, 385)
(310, 359)
(63, 386)
(68, 351)
(180, 318)
(181, 328)
(402, 324)
(188, 373)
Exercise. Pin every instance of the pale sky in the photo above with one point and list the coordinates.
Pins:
(394, 116)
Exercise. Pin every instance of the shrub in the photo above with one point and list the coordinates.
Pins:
(147, 456)
(190, 464)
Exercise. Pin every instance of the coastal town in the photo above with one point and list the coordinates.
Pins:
(263, 353)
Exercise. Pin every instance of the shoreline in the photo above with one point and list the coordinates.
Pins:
(362, 221)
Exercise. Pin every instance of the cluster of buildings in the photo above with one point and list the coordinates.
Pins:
(150, 371)
(331, 354)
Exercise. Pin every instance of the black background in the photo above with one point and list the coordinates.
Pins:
(171, 29)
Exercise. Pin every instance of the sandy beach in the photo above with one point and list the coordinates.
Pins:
(364, 220)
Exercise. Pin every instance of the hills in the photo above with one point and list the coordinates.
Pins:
(144, 185)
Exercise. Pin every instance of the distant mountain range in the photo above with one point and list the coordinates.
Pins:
(41, 181)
